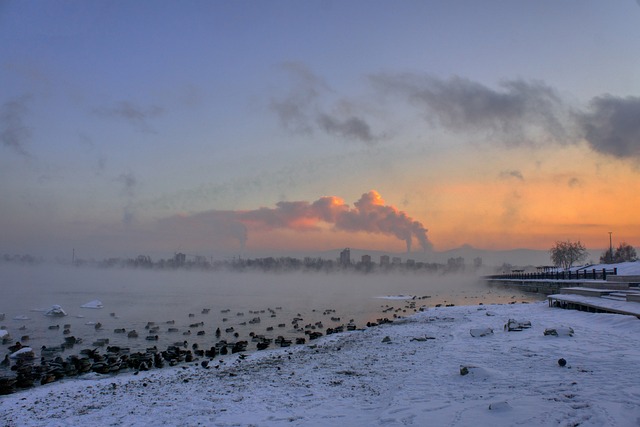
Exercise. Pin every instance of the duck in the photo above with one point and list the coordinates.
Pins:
(17, 346)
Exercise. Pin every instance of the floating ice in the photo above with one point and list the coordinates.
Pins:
(21, 317)
(397, 297)
(93, 304)
(56, 311)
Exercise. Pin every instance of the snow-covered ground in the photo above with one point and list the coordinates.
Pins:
(363, 378)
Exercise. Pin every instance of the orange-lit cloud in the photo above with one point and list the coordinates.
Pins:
(369, 214)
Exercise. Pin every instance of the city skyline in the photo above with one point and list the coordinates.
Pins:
(159, 127)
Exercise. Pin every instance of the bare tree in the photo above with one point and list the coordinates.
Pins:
(565, 254)
(623, 253)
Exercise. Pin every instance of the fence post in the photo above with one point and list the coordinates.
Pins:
(604, 274)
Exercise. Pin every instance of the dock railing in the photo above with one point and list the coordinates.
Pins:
(585, 274)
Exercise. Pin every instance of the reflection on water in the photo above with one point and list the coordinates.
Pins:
(177, 301)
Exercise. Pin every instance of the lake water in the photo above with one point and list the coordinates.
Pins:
(132, 298)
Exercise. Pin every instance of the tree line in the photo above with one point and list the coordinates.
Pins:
(565, 254)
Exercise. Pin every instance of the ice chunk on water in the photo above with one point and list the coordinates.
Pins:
(56, 311)
(93, 304)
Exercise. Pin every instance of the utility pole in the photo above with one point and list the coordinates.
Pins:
(610, 249)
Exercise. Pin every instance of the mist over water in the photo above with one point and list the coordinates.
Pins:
(132, 298)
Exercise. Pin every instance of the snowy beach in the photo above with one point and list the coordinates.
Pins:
(405, 373)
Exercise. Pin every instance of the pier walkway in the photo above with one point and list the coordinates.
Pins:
(598, 300)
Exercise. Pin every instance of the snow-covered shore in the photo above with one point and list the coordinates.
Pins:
(363, 378)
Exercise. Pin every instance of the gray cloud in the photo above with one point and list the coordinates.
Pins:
(14, 134)
(296, 109)
(612, 125)
(351, 128)
(137, 116)
(517, 113)
(302, 109)
(507, 174)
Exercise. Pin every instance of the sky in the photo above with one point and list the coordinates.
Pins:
(245, 127)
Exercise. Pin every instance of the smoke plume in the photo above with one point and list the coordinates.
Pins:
(369, 214)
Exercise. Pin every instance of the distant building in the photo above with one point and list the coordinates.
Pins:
(200, 260)
(396, 260)
(384, 260)
(345, 257)
(179, 259)
(143, 261)
(366, 259)
(411, 263)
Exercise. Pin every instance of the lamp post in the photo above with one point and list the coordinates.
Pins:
(610, 249)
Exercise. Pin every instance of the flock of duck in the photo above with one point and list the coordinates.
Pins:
(21, 369)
